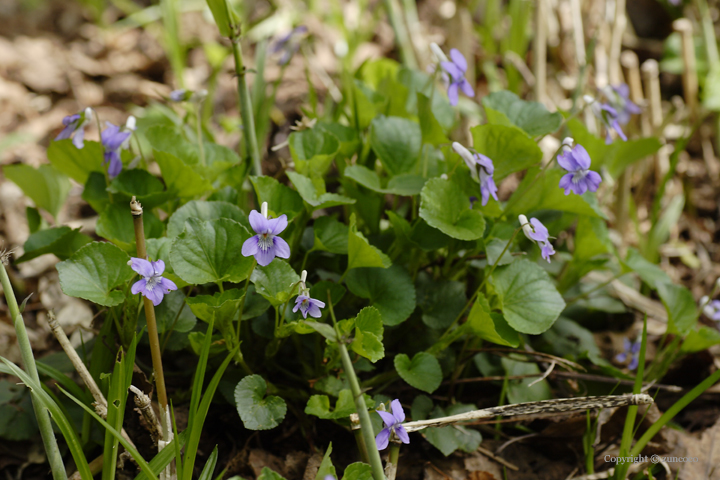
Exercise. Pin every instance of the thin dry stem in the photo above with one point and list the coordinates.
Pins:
(540, 51)
(144, 408)
(690, 80)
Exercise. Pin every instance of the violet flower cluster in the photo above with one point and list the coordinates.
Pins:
(153, 285)
(538, 233)
(631, 351)
(392, 424)
(114, 139)
(481, 169)
(266, 245)
(711, 308)
(616, 111)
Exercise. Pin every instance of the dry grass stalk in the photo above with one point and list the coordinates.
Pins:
(690, 80)
(540, 51)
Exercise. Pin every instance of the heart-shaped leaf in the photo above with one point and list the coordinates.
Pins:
(46, 186)
(506, 108)
(211, 252)
(94, 272)
(509, 148)
(60, 241)
(257, 411)
(330, 235)
(444, 206)
(422, 372)
(361, 253)
(309, 193)
(491, 326)
(389, 290)
(280, 198)
(204, 210)
(181, 180)
(76, 163)
(116, 224)
(530, 301)
(369, 334)
(275, 281)
(441, 301)
(396, 141)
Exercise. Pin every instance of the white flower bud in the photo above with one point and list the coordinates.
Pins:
(439, 54)
(527, 229)
(464, 153)
(568, 141)
(264, 209)
(588, 99)
(131, 123)
(444, 176)
(303, 276)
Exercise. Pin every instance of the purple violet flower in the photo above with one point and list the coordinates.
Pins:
(266, 245)
(392, 424)
(456, 68)
(112, 140)
(178, 95)
(75, 124)
(619, 98)
(538, 233)
(711, 308)
(288, 44)
(308, 305)
(631, 350)
(481, 170)
(152, 286)
(579, 178)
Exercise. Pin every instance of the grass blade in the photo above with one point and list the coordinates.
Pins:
(209, 468)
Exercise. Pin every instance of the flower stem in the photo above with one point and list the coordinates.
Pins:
(246, 110)
(392, 461)
(137, 213)
(41, 414)
(367, 430)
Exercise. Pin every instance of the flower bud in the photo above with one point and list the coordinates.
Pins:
(527, 229)
(264, 209)
(439, 54)
(464, 153)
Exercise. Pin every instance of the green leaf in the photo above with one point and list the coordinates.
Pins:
(624, 154)
(389, 290)
(76, 163)
(544, 193)
(330, 235)
(348, 137)
(209, 467)
(326, 467)
(204, 211)
(267, 474)
(35, 221)
(221, 309)
(60, 241)
(172, 313)
(404, 184)
(211, 252)
(45, 186)
(275, 281)
(699, 339)
(319, 405)
(181, 180)
(358, 471)
(417, 81)
(444, 206)
(450, 438)
(94, 272)
(422, 372)
(506, 108)
(432, 131)
(280, 198)
(159, 249)
(650, 273)
(95, 192)
(257, 411)
(441, 300)
(519, 391)
(396, 141)
(147, 188)
(319, 291)
(313, 151)
(361, 253)
(530, 302)
(490, 326)
(591, 238)
(369, 334)
(510, 150)
(116, 224)
(220, 14)
(680, 306)
(323, 329)
(309, 193)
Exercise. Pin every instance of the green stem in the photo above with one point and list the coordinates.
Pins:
(41, 414)
(366, 425)
(198, 127)
(246, 110)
